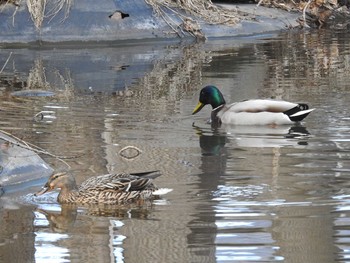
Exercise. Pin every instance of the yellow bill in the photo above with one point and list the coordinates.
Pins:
(199, 106)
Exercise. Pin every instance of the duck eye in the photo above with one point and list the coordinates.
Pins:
(55, 176)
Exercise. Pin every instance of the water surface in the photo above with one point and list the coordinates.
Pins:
(241, 194)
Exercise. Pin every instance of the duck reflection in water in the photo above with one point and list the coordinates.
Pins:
(60, 221)
(235, 143)
(65, 220)
(212, 141)
(214, 155)
(211, 145)
(267, 136)
(227, 156)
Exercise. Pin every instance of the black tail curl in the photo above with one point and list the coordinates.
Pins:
(299, 107)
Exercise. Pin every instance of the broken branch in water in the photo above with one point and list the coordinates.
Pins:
(26, 145)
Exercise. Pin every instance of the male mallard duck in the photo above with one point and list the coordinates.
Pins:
(104, 189)
(250, 112)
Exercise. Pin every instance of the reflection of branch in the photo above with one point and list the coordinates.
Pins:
(37, 77)
(173, 79)
(7, 61)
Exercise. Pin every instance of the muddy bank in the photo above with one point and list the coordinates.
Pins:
(117, 20)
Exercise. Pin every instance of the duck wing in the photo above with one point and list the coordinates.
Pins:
(149, 174)
(259, 105)
(116, 182)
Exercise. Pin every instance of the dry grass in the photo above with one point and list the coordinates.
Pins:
(203, 9)
(13, 2)
(39, 10)
(36, 9)
(190, 10)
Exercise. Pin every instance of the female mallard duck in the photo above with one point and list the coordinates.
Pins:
(104, 189)
(250, 112)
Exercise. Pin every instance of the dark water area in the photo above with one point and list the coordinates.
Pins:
(240, 194)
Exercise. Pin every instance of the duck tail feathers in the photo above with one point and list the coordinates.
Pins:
(162, 191)
(298, 108)
(300, 115)
(149, 174)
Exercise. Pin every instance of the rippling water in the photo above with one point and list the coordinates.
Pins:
(241, 194)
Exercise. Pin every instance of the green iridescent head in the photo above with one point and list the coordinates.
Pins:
(209, 95)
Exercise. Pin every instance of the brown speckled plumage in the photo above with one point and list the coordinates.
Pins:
(104, 189)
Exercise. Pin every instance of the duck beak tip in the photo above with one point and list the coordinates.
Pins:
(199, 106)
(42, 191)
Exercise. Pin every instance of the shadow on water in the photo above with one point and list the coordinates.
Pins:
(240, 193)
